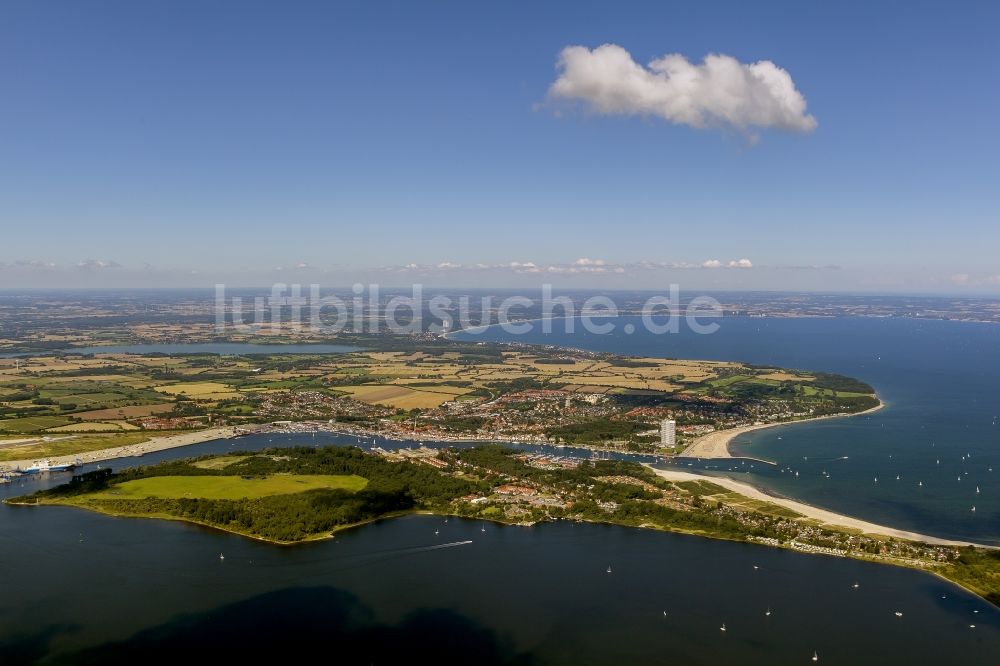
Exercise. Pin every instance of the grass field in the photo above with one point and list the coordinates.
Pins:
(228, 487)
(727, 381)
(33, 423)
(131, 412)
(218, 462)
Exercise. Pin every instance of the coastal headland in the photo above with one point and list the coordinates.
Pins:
(716, 444)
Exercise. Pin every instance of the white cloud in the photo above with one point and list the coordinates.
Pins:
(583, 265)
(967, 280)
(33, 263)
(719, 91)
(96, 264)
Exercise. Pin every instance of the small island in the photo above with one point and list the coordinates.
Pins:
(292, 495)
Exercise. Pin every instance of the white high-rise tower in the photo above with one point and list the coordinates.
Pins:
(668, 432)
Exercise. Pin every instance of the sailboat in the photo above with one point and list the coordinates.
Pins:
(609, 568)
(815, 656)
(767, 613)
(221, 557)
(723, 627)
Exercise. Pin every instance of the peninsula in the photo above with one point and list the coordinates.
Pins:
(95, 406)
(298, 494)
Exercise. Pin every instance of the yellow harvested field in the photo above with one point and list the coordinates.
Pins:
(200, 391)
(785, 377)
(622, 382)
(124, 380)
(400, 396)
(441, 388)
(53, 364)
(577, 388)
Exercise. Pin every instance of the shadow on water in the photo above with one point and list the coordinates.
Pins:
(292, 623)
(30, 648)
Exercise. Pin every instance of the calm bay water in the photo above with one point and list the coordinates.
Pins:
(939, 432)
(84, 588)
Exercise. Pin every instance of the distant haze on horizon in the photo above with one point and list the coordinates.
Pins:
(848, 147)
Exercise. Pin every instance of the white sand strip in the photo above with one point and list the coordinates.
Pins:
(826, 517)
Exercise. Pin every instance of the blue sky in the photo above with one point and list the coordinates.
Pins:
(182, 143)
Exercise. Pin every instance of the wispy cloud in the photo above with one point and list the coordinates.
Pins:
(968, 280)
(97, 264)
(34, 264)
(721, 91)
(583, 266)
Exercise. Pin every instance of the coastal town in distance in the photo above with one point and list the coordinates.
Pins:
(499, 333)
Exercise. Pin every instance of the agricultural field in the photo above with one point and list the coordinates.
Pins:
(229, 487)
(402, 396)
(31, 424)
(455, 388)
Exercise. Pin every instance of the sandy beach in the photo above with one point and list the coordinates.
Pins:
(149, 446)
(716, 444)
(826, 517)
